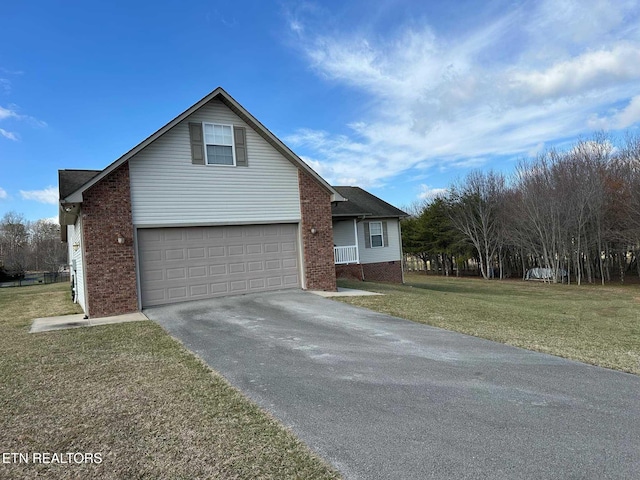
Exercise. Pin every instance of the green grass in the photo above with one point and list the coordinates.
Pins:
(599, 325)
(132, 393)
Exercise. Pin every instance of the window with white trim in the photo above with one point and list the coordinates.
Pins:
(375, 234)
(218, 144)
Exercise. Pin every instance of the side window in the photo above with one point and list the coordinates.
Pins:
(218, 141)
(375, 233)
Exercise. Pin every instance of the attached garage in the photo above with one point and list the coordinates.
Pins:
(211, 204)
(181, 264)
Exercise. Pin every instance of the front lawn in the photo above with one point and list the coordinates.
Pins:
(133, 394)
(593, 324)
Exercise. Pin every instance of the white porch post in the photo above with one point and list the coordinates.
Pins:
(355, 231)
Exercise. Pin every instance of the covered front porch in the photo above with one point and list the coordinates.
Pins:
(345, 242)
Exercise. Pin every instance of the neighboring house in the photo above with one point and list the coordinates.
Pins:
(366, 237)
(211, 204)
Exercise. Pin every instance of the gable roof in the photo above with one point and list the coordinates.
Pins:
(71, 180)
(361, 203)
(219, 93)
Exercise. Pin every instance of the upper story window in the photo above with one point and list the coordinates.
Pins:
(218, 140)
(375, 233)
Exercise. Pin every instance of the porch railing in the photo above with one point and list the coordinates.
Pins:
(347, 254)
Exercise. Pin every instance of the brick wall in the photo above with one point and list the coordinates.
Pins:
(315, 206)
(381, 272)
(110, 266)
(352, 271)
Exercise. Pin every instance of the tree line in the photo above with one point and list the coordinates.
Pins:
(29, 246)
(574, 214)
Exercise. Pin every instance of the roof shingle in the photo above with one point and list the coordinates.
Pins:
(362, 203)
(71, 180)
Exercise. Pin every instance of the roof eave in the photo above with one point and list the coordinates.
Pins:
(67, 215)
(366, 215)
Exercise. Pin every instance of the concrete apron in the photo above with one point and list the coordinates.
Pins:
(79, 320)
(344, 292)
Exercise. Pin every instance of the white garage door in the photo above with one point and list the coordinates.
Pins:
(180, 264)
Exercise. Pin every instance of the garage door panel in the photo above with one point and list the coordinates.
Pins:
(174, 254)
(235, 250)
(171, 235)
(255, 266)
(195, 234)
(273, 264)
(177, 293)
(218, 270)
(216, 252)
(238, 286)
(290, 263)
(219, 288)
(196, 253)
(179, 264)
(198, 290)
(236, 268)
(197, 272)
(254, 249)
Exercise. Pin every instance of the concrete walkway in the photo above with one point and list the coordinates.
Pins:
(79, 320)
(344, 292)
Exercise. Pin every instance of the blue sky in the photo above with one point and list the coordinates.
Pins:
(399, 97)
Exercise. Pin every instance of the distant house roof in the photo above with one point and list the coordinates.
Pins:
(361, 203)
(71, 180)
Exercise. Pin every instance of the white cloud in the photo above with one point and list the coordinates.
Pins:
(9, 135)
(8, 113)
(429, 193)
(47, 195)
(630, 114)
(541, 72)
(3, 193)
(577, 75)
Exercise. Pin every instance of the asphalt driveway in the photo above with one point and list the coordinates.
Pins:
(382, 397)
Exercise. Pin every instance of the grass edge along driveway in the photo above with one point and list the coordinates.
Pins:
(599, 325)
(133, 394)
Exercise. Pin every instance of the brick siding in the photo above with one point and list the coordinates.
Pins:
(383, 271)
(380, 272)
(352, 271)
(110, 266)
(315, 206)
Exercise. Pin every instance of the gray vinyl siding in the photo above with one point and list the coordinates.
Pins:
(75, 238)
(343, 233)
(167, 189)
(380, 254)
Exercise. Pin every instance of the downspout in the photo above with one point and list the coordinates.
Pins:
(84, 266)
(361, 267)
(401, 251)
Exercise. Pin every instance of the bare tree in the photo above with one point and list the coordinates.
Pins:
(475, 213)
(47, 252)
(14, 243)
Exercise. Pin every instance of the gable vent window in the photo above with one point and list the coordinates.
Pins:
(218, 140)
